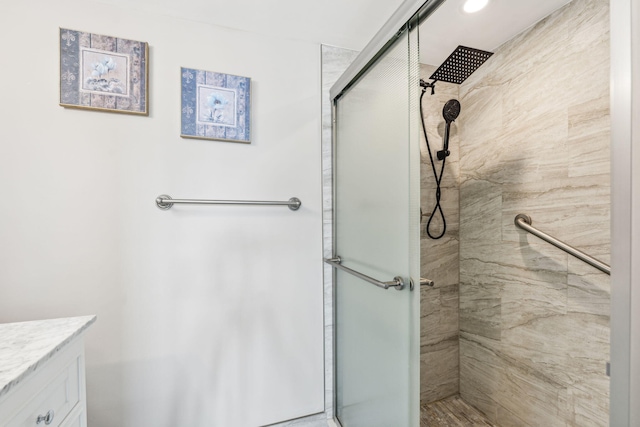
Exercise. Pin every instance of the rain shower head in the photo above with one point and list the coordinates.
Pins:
(460, 65)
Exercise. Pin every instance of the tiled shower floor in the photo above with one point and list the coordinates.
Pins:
(452, 412)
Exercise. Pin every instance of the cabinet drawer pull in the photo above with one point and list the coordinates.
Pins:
(48, 418)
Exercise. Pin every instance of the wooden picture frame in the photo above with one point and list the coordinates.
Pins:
(103, 73)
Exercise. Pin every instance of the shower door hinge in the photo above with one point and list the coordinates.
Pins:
(608, 369)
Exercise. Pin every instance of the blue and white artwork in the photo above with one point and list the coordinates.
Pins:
(103, 73)
(215, 106)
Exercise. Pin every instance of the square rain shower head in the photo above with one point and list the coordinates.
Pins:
(460, 64)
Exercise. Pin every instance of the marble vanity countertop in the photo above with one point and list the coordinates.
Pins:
(26, 345)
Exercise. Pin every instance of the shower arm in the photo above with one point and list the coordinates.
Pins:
(524, 221)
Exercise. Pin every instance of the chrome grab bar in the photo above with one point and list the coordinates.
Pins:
(524, 221)
(165, 202)
(397, 282)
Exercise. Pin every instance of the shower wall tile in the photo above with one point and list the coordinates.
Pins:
(438, 256)
(439, 316)
(481, 310)
(439, 370)
(439, 373)
(488, 126)
(534, 321)
(589, 136)
(480, 210)
(518, 155)
(576, 210)
(481, 370)
(545, 403)
(589, 290)
(530, 347)
(589, 410)
(449, 201)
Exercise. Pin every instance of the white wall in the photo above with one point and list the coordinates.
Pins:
(207, 316)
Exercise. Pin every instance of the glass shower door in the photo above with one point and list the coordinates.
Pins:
(376, 165)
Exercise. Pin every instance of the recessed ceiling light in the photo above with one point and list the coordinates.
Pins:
(471, 6)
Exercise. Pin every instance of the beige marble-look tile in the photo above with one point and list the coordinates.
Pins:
(587, 341)
(526, 150)
(589, 138)
(450, 178)
(438, 315)
(535, 399)
(481, 371)
(589, 290)
(481, 118)
(440, 260)
(430, 306)
(480, 211)
(532, 69)
(528, 300)
(533, 92)
(589, 293)
(589, 154)
(534, 321)
(592, 66)
(535, 283)
(588, 409)
(506, 285)
(534, 46)
(450, 205)
(439, 371)
(588, 50)
(508, 418)
(589, 24)
(589, 117)
(539, 348)
(441, 253)
(574, 210)
(601, 252)
(480, 309)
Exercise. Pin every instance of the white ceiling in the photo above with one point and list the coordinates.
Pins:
(487, 29)
(352, 23)
(344, 23)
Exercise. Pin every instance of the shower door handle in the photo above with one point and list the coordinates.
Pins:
(396, 283)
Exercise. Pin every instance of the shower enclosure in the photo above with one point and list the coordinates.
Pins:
(531, 332)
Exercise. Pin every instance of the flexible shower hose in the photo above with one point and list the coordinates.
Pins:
(437, 207)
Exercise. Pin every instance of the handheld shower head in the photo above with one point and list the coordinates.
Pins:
(451, 110)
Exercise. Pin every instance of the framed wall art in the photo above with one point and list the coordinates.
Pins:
(103, 73)
(215, 106)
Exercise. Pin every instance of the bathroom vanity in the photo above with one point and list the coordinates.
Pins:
(42, 377)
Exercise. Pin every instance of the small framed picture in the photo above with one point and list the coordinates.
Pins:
(103, 73)
(215, 106)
